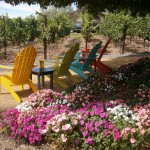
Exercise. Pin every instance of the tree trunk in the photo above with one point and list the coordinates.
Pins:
(44, 39)
(86, 44)
(124, 37)
(5, 54)
(45, 48)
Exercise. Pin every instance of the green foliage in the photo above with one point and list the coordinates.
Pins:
(49, 29)
(58, 27)
(17, 30)
(87, 26)
(31, 28)
(129, 82)
(94, 6)
(113, 25)
(3, 30)
(54, 28)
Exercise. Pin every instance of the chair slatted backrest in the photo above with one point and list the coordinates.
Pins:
(23, 65)
(68, 59)
(91, 56)
(103, 50)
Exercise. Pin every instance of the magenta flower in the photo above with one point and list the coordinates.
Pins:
(85, 133)
(116, 134)
(92, 113)
(106, 132)
(82, 122)
(88, 140)
(102, 115)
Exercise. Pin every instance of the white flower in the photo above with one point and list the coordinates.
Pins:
(24, 107)
(120, 114)
(130, 111)
(115, 117)
(126, 118)
(64, 101)
(111, 102)
(123, 112)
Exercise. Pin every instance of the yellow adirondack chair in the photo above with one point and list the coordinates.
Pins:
(62, 67)
(21, 71)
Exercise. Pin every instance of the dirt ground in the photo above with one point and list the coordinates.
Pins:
(112, 58)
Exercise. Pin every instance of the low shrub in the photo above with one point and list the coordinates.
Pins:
(101, 112)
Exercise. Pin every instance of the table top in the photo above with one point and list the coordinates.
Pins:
(42, 71)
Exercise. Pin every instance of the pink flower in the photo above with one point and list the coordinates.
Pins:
(85, 133)
(92, 113)
(89, 126)
(100, 122)
(106, 132)
(132, 140)
(142, 131)
(59, 120)
(97, 124)
(43, 131)
(75, 121)
(116, 134)
(64, 139)
(82, 122)
(66, 127)
(132, 130)
(102, 115)
(79, 116)
(89, 140)
(96, 129)
(55, 129)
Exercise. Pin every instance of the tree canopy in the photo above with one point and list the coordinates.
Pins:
(94, 6)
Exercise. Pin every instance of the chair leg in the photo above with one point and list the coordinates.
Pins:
(21, 87)
(0, 84)
(31, 85)
(12, 92)
(71, 77)
(60, 83)
(103, 68)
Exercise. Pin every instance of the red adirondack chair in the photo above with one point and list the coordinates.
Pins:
(102, 67)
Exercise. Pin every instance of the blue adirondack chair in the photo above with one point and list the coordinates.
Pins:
(79, 67)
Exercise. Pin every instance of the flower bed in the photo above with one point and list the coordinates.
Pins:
(101, 112)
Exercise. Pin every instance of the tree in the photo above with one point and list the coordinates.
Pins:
(94, 6)
(31, 28)
(53, 26)
(87, 27)
(3, 33)
(43, 19)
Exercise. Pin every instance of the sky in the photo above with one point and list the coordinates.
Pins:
(21, 10)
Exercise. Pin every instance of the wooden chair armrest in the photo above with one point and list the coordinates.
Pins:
(6, 67)
(59, 56)
(55, 62)
(51, 61)
(45, 60)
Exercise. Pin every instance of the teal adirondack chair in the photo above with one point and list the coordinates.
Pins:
(79, 67)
